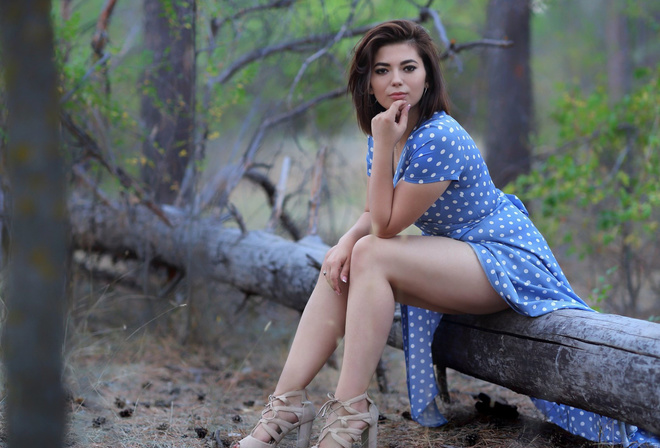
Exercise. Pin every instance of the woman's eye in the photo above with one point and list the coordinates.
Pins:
(380, 71)
(410, 68)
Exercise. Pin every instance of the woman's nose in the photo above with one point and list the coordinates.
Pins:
(396, 78)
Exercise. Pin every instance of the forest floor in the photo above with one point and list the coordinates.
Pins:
(146, 390)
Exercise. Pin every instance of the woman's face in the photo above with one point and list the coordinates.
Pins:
(398, 74)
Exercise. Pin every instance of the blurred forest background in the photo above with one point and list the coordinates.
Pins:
(233, 114)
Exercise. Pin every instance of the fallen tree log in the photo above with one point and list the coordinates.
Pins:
(603, 363)
(257, 262)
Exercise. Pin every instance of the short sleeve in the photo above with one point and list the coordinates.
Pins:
(370, 154)
(435, 153)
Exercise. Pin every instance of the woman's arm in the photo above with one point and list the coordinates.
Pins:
(400, 207)
(394, 209)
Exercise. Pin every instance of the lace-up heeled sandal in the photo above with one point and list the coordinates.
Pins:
(304, 412)
(340, 431)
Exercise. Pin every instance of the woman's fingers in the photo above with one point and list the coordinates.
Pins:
(390, 124)
(332, 275)
(403, 116)
(344, 271)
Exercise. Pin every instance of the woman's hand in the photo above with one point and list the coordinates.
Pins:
(388, 127)
(336, 265)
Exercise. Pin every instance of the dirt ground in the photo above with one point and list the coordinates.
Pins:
(142, 389)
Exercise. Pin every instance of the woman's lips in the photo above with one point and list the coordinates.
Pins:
(397, 96)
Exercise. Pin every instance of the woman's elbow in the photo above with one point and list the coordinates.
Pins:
(385, 233)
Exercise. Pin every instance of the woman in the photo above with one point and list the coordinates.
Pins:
(479, 252)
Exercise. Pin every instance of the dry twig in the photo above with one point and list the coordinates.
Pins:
(92, 150)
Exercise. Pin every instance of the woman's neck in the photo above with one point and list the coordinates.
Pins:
(413, 117)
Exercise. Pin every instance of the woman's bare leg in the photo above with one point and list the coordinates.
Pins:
(436, 273)
(320, 329)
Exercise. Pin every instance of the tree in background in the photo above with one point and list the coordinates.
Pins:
(599, 195)
(37, 259)
(168, 95)
(509, 91)
(617, 43)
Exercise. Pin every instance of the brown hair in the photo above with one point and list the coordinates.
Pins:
(394, 32)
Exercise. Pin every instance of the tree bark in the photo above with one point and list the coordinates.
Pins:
(619, 59)
(602, 363)
(168, 95)
(35, 289)
(256, 262)
(510, 114)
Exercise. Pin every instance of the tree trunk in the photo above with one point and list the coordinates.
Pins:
(510, 113)
(619, 58)
(602, 363)
(35, 290)
(168, 95)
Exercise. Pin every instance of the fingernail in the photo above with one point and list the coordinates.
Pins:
(344, 279)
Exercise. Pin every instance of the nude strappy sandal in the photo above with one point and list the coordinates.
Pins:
(340, 426)
(305, 414)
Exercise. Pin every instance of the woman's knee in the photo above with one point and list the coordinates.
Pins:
(365, 254)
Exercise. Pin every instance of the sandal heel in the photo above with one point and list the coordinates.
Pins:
(304, 434)
(370, 438)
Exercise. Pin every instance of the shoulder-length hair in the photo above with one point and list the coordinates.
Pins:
(359, 78)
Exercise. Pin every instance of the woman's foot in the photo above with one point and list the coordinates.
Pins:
(281, 415)
(349, 421)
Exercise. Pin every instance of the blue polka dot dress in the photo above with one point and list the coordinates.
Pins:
(514, 255)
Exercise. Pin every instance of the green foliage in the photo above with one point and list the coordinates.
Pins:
(600, 193)
(603, 288)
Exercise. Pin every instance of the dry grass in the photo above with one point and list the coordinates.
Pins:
(150, 391)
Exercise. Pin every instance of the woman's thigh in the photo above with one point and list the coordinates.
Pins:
(432, 272)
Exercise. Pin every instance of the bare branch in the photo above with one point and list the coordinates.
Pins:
(440, 28)
(455, 49)
(298, 110)
(279, 194)
(217, 23)
(262, 180)
(304, 43)
(301, 44)
(100, 63)
(65, 6)
(92, 150)
(315, 192)
(100, 38)
(322, 51)
(236, 215)
(80, 173)
(225, 182)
